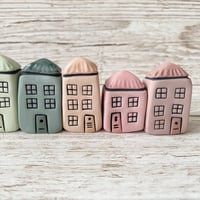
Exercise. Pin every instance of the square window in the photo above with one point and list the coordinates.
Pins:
(4, 102)
(71, 89)
(159, 124)
(3, 87)
(177, 109)
(31, 89)
(87, 90)
(179, 93)
(161, 93)
(116, 102)
(31, 103)
(133, 101)
(49, 103)
(72, 104)
(87, 104)
(72, 120)
(132, 117)
(159, 110)
(49, 90)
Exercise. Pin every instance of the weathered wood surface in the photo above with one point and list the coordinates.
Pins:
(100, 166)
(135, 35)
(116, 34)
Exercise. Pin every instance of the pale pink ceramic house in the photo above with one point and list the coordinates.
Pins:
(169, 97)
(124, 103)
(81, 97)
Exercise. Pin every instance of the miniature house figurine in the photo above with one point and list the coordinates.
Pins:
(124, 103)
(39, 98)
(81, 97)
(169, 98)
(9, 73)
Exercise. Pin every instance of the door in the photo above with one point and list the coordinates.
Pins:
(41, 124)
(176, 123)
(116, 125)
(89, 124)
(2, 128)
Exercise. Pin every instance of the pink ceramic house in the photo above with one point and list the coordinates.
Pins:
(81, 97)
(124, 103)
(169, 97)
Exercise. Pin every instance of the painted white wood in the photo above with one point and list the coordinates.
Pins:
(116, 34)
(136, 35)
(100, 165)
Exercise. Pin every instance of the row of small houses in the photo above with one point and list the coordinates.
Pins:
(42, 99)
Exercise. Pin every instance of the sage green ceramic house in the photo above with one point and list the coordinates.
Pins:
(9, 73)
(39, 97)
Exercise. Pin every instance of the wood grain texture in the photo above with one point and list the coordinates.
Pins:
(136, 35)
(100, 166)
(116, 34)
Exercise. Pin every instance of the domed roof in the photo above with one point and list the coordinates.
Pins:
(167, 70)
(43, 66)
(7, 64)
(80, 65)
(123, 80)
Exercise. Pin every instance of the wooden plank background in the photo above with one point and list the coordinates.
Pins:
(136, 35)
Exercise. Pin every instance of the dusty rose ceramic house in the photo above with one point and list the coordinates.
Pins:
(169, 97)
(124, 103)
(81, 97)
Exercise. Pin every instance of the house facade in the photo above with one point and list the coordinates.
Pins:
(39, 97)
(169, 98)
(9, 74)
(124, 103)
(81, 97)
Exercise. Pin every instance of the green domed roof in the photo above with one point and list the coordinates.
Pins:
(42, 66)
(7, 64)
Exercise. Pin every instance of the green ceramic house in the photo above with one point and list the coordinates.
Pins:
(9, 73)
(39, 97)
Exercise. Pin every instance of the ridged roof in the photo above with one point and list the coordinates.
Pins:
(80, 65)
(7, 64)
(167, 70)
(43, 66)
(124, 80)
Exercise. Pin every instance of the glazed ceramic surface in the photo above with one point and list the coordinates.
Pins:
(81, 97)
(40, 98)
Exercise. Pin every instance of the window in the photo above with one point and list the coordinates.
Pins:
(116, 102)
(72, 120)
(4, 102)
(159, 110)
(31, 89)
(71, 89)
(132, 117)
(87, 104)
(177, 109)
(49, 103)
(3, 87)
(159, 124)
(179, 93)
(49, 90)
(72, 104)
(87, 90)
(31, 103)
(133, 101)
(161, 93)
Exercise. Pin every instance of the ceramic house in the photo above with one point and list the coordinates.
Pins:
(39, 97)
(9, 73)
(169, 97)
(81, 97)
(124, 103)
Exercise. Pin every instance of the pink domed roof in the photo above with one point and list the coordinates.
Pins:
(123, 80)
(167, 70)
(80, 65)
